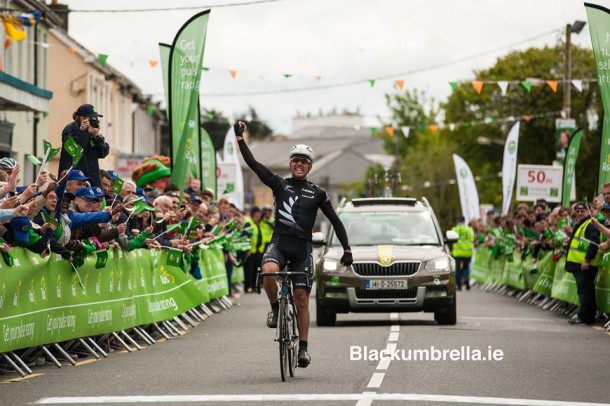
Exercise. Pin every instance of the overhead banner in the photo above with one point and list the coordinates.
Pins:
(569, 167)
(509, 167)
(467, 188)
(231, 155)
(208, 161)
(185, 66)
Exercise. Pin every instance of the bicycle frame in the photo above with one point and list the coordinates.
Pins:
(287, 333)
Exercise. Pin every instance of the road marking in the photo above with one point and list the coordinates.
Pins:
(21, 378)
(393, 336)
(393, 316)
(367, 400)
(376, 380)
(395, 328)
(507, 318)
(304, 397)
(384, 363)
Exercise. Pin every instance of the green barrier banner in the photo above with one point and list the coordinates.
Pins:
(546, 268)
(529, 268)
(214, 272)
(514, 272)
(42, 301)
(238, 275)
(602, 290)
(480, 265)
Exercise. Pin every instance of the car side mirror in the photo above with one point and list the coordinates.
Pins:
(451, 236)
(317, 239)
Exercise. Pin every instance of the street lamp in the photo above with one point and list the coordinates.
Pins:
(570, 28)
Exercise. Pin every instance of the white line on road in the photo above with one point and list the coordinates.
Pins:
(393, 336)
(304, 397)
(393, 316)
(395, 328)
(366, 401)
(384, 363)
(376, 380)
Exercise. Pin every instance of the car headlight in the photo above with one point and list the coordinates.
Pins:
(333, 266)
(439, 264)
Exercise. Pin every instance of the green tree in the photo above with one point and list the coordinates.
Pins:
(537, 144)
(257, 129)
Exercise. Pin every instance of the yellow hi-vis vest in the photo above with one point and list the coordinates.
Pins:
(256, 238)
(266, 231)
(579, 247)
(463, 247)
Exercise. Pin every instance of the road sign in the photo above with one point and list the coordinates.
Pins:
(541, 182)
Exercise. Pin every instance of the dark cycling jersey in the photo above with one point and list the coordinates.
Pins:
(296, 202)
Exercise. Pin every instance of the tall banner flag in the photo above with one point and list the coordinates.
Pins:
(164, 51)
(509, 167)
(469, 196)
(231, 156)
(599, 27)
(185, 67)
(604, 157)
(208, 161)
(569, 167)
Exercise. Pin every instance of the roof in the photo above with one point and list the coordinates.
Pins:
(339, 160)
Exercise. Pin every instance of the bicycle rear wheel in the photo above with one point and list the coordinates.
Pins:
(283, 338)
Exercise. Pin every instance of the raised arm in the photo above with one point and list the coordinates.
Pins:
(264, 174)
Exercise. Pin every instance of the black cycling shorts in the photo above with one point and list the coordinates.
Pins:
(284, 248)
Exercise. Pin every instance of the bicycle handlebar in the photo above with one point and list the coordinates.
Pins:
(263, 274)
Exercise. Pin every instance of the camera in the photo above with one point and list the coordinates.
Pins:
(94, 122)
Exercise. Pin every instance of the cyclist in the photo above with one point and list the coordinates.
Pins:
(296, 204)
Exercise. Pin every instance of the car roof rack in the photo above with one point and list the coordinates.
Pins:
(409, 201)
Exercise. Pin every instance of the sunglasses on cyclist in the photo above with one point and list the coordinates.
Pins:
(296, 160)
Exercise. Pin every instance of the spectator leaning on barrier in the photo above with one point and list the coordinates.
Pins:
(462, 252)
(86, 132)
(583, 261)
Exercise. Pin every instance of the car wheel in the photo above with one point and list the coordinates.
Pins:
(449, 316)
(325, 317)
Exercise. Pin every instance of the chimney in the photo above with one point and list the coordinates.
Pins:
(62, 11)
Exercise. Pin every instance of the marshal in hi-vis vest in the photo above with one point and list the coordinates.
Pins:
(579, 247)
(464, 246)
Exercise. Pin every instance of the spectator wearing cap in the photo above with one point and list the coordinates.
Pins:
(85, 131)
(76, 180)
(583, 261)
(194, 203)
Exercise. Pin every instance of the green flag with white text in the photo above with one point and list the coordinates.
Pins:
(569, 167)
(208, 161)
(185, 62)
(599, 23)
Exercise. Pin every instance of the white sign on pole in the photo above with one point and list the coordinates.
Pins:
(541, 182)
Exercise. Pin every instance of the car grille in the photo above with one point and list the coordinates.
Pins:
(397, 268)
(410, 293)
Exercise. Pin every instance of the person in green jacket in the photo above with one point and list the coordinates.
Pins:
(462, 252)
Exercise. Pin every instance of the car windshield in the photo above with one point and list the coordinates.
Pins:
(393, 228)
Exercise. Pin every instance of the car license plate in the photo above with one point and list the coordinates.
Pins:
(386, 284)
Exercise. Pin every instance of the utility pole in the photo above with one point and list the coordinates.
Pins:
(567, 90)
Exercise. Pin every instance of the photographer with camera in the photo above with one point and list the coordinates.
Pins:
(85, 129)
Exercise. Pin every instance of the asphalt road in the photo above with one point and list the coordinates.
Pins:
(231, 359)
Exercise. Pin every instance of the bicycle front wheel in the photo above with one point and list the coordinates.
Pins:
(293, 349)
(284, 337)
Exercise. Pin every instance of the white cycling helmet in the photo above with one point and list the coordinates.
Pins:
(8, 164)
(302, 149)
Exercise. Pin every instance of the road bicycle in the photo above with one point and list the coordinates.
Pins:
(287, 332)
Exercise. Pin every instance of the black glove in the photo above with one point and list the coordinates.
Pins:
(239, 130)
(347, 259)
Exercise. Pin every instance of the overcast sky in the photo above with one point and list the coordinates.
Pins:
(341, 41)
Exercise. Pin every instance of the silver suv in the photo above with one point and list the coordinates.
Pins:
(401, 262)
